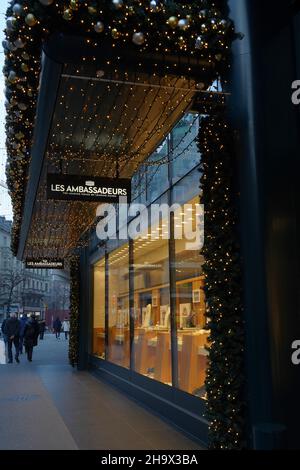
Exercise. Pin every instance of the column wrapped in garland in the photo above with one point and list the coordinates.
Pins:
(223, 288)
(74, 310)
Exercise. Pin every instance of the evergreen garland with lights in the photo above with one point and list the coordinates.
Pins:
(196, 28)
(74, 310)
(225, 379)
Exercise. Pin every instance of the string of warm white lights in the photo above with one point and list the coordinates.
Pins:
(197, 28)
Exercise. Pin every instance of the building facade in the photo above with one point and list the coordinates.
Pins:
(158, 319)
(28, 290)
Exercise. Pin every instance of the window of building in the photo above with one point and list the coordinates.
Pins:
(98, 346)
(157, 172)
(190, 307)
(184, 154)
(152, 338)
(149, 278)
(118, 312)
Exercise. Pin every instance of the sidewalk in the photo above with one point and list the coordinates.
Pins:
(48, 405)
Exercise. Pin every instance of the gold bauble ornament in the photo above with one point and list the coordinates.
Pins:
(92, 10)
(74, 4)
(181, 41)
(30, 19)
(67, 15)
(25, 67)
(173, 21)
(115, 33)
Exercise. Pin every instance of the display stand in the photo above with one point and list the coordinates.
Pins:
(162, 369)
(192, 362)
(144, 354)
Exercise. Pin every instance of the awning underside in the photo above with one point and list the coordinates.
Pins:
(104, 117)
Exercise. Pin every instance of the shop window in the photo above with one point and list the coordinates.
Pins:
(185, 154)
(98, 346)
(152, 338)
(190, 307)
(118, 315)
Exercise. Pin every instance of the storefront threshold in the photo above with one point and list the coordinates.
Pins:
(178, 408)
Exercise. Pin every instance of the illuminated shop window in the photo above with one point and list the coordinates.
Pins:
(190, 307)
(99, 310)
(152, 337)
(118, 312)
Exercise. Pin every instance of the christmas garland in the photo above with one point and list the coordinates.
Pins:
(195, 28)
(74, 310)
(225, 380)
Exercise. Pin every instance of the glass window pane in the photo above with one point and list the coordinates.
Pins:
(152, 338)
(157, 172)
(99, 310)
(185, 154)
(190, 307)
(118, 316)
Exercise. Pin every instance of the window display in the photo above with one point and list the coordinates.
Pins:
(99, 310)
(118, 314)
(190, 314)
(152, 309)
(152, 345)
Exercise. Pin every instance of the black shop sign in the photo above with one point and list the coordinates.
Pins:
(87, 188)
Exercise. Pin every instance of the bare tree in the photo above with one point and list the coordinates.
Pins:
(60, 298)
(9, 281)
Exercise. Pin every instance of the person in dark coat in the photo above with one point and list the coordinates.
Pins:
(23, 322)
(57, 327)
(3, 328)
(12, 332)
(42, 326)
(31, 333)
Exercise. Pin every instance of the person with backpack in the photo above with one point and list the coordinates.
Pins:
(31, 333)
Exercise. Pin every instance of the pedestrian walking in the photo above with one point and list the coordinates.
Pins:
(31, 333)
(3, 328)
(42, 326)
(12, 332)
(23, 322)
(57, 327)
(66, 327)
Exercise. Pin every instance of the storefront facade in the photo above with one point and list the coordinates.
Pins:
(147, 324)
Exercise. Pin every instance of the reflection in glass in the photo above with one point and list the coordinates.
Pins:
(190, 313)
(152, 338)
(98, 346)
(118, 315)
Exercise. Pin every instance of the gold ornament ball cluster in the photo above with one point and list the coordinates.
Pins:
(30, 19)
